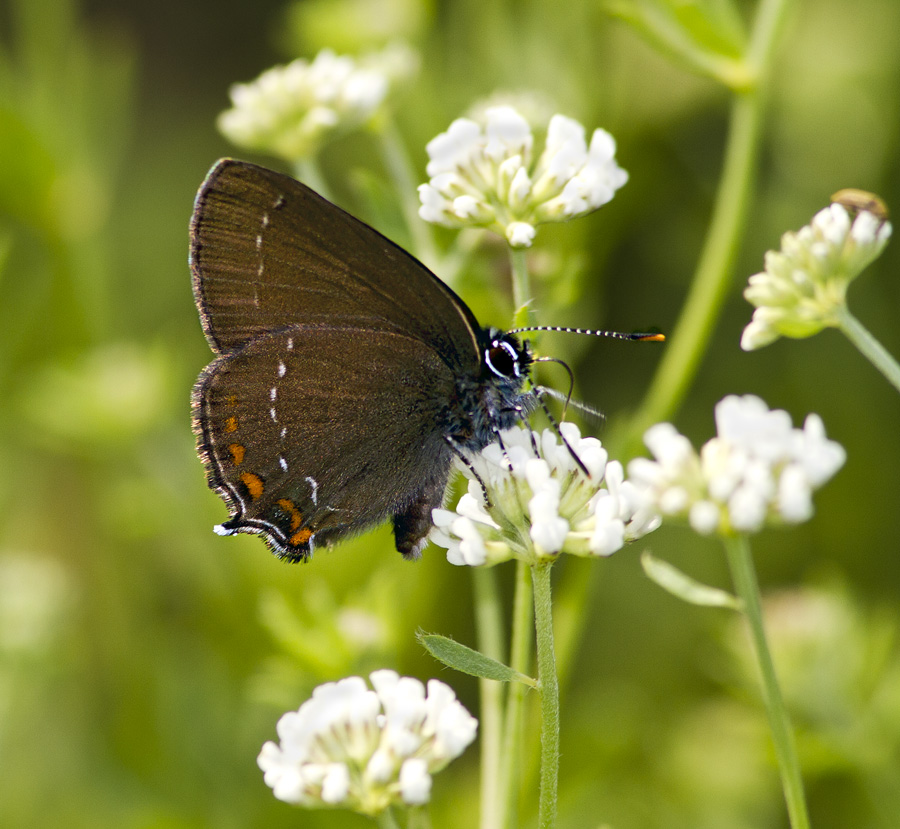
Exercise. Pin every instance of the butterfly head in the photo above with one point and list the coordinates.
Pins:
(506, 358)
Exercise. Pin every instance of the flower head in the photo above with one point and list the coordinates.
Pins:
(541, 504)
(485, 175)
(365, 749)
(804, 285)
(290, 110)
(758, 469)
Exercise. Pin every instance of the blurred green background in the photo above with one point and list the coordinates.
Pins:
(144, 660)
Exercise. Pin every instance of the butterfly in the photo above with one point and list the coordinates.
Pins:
(347, 376)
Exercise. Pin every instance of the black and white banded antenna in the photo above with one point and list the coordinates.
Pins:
(643, 336)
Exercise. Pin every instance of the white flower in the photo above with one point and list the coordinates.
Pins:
(366, 749)
(804, 285)
(542, 504)
(290, 110)
(484, 176)
(415, 781)
(758, 470)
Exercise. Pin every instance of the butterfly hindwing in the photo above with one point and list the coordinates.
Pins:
(284, 427)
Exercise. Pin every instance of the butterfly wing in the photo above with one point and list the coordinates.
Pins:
(268, 252)
(313, 432)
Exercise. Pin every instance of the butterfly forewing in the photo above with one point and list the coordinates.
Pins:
(268, 252)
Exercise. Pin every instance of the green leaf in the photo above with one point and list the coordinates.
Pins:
(706, 36)
(469, 661)
(671, 579)
(715, 25)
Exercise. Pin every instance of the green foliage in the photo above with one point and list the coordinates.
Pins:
(469, 661)
(689, 590)
(144, 660)
(707, 37)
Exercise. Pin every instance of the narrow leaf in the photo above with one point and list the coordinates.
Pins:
(670, 578)
(469, 661)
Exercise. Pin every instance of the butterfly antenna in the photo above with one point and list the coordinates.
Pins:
(643, 336)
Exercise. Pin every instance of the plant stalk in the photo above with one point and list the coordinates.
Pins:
(520, 660)
(549, 688)
(870, 348)
(743, 573)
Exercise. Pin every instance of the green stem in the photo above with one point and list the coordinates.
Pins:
(871, 349)
(740, 561)
(712, 279)
(488, 621)
(520, 660)
(767, 25)
(521, 287)
(549, 687)
(398, 165)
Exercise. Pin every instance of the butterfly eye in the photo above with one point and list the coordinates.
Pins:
(503, 359)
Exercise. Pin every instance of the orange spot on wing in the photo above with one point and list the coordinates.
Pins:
(290, 508)
(231, 400)
(253, 483)
(237, 453)
(231, 424)
(301, 537)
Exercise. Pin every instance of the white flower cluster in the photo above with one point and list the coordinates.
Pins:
(290, 110)
(483, 176)
(805, 283)
(540, 506)
(758, 469)
(361, 749)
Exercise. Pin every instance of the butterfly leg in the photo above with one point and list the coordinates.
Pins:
(539, 392)
(461, 455)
